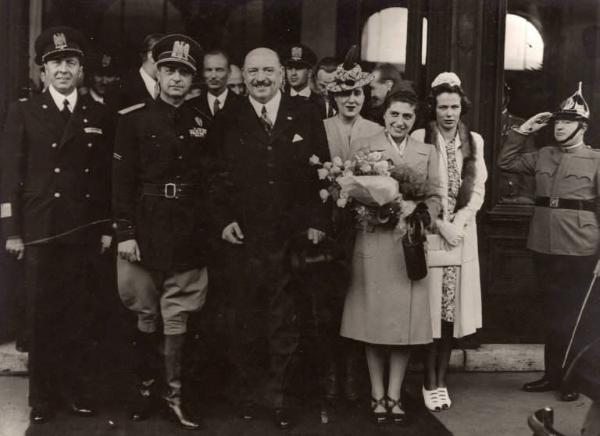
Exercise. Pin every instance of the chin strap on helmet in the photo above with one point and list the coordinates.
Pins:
(572, 135)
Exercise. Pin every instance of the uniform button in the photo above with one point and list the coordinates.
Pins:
(181, 136)
(87, 170)
(90, 145)
(271, 182)
(85, 120)
(87, 195)
(57, 195)
(57, 170)
(54, 145)
(178, 177)
(269, 148)
(179, 157)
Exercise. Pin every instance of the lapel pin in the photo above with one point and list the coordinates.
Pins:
(44, 106)
(290, 118)
(85, 120)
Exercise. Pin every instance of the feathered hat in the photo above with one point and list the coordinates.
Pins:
(349, 75)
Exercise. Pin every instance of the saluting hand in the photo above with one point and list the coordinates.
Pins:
(535, 123)
(15, 246)
(129, 250)
(232, 233)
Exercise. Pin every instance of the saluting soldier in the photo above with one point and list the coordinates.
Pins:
(159, 176)
(563, 233)
(55, 186)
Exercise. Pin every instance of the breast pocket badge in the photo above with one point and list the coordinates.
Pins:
(198, 132)
(93, 130)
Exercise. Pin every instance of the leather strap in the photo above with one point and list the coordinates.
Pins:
(566, 203)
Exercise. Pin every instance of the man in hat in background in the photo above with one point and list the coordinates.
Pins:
(138, 85)
(54, 189)
(159, 192)
(299, 61)
(102, 73)
(235, 83)
(563, 233)
(264, 196)
(324, 73)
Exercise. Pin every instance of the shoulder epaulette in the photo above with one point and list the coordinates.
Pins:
(132, 108)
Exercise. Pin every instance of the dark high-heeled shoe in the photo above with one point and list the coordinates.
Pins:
(399, 418)
(379, 417)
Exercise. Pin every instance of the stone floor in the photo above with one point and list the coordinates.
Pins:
(485, 404)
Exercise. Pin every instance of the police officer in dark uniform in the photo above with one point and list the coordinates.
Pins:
(55, 186)
(564, 234)
(159, 176)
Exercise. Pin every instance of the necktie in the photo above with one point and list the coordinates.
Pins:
(216, 106)
(265, 121)
(156, 90)
(65, 112)
(329, 109)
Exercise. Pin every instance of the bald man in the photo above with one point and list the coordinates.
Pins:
(235, 83)
(267, 198)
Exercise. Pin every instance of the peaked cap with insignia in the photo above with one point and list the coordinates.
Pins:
(58, 42)
(573, 108)
(299, 55)
(178, 49)
(349, 75)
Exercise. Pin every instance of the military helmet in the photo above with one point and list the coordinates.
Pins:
(573, 108)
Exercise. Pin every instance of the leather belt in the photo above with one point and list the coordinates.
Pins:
(169, 190)
(566, 203)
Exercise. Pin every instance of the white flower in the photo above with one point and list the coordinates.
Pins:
(348, 173)
(327, 165)
(381, 167)
(365, 168)
(341, 202)
(336, 170)
(337, 161)
(323, 173)
(324, 194)
(314, 160)
(374, 156)
(348, 164)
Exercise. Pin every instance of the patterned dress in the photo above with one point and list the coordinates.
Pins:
(450, 275)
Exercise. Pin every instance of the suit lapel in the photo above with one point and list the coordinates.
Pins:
(285, 118)
(382, 144)
(414, 152)
(49, 115)
(250, 123)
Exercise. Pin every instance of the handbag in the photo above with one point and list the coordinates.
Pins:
(414, 253)
(438, 255)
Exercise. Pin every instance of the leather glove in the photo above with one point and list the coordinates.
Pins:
(534, 123)
(419, 216)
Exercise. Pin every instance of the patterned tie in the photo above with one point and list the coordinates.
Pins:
(265, 120)
(65, 112)
(216, 106)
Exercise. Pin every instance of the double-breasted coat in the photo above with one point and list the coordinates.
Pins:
(55, 176)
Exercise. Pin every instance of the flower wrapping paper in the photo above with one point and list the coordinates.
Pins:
(370, 190)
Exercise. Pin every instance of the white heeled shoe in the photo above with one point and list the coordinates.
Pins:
(431, 399)
(444, 398)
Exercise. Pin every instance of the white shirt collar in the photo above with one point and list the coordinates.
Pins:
(272, 106)
(60, 98)
(305, 92)
(399, 147)
(149, 82)
(221, 97)
(571, 147)
(97, 97)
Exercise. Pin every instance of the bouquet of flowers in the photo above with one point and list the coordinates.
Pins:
(377, 192)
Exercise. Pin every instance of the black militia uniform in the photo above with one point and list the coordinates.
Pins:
(56, 178)
(269, 188)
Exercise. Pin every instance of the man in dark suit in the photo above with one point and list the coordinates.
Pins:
(216, 74)
(137, 85)
(264, 195)
(159, 199)
(55, 186)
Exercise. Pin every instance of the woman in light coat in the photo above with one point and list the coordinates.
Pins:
(455, 291)
(384, 308)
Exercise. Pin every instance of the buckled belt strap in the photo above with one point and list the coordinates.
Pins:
(566, 203)
(169, 190)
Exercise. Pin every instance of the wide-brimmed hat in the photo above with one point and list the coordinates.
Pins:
(58, 42)
(349, 75)
(177, 49)
(573, 108)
